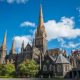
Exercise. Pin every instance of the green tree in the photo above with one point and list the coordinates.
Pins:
(28, 68)
(1, 69)
(7, 70)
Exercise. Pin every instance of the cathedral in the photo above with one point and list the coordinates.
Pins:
(51, 61)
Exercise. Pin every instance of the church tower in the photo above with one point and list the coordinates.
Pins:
(3, 51)
(13, 50)
(40, 35)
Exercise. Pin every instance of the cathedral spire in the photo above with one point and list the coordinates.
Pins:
(40, 29)
(13, 51)
(22, 47)
(40, 35)
(3, 50)
(41, 22)
(4, 41)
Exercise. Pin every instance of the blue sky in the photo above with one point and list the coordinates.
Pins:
(20, 19)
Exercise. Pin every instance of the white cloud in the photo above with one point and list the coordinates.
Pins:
(27, 24)
(62, 29)
(20, 39)
(71, 45)
(61, 41)
(68, 44)
(55, 30)
(14, 1)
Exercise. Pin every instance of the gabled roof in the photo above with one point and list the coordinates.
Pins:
(53, 58)
(54, 51)
(62, 59)
(28, 46)
(49, 59)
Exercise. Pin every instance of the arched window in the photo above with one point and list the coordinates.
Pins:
(59, 68)
(44, 68)
(51, 68)
(66, 68)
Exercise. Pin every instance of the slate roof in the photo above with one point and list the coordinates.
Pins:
(62, 59)
(54, 51)
(52, 57)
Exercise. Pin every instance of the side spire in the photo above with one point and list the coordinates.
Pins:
(3, 50)
(13, 50)
(22, 47)
(4, 41)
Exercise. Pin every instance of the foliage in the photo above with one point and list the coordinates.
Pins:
(28, 68)
(7, 69)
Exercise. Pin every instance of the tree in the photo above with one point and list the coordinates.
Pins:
(28, 68)
(1, 69)
(7, 70)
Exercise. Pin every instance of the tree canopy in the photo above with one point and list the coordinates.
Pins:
(7, 69)
(28, 68)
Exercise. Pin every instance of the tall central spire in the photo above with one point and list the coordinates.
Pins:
(41, 22)
(40, 29)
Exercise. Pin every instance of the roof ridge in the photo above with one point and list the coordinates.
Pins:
(61, 59)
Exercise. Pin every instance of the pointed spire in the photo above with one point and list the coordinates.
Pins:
(22, 47)
(13, 45)
(13, 50)
(40, 29)
(41, 22)
(23, 44)
(4, 41)
(33, 43)
(28, 44)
